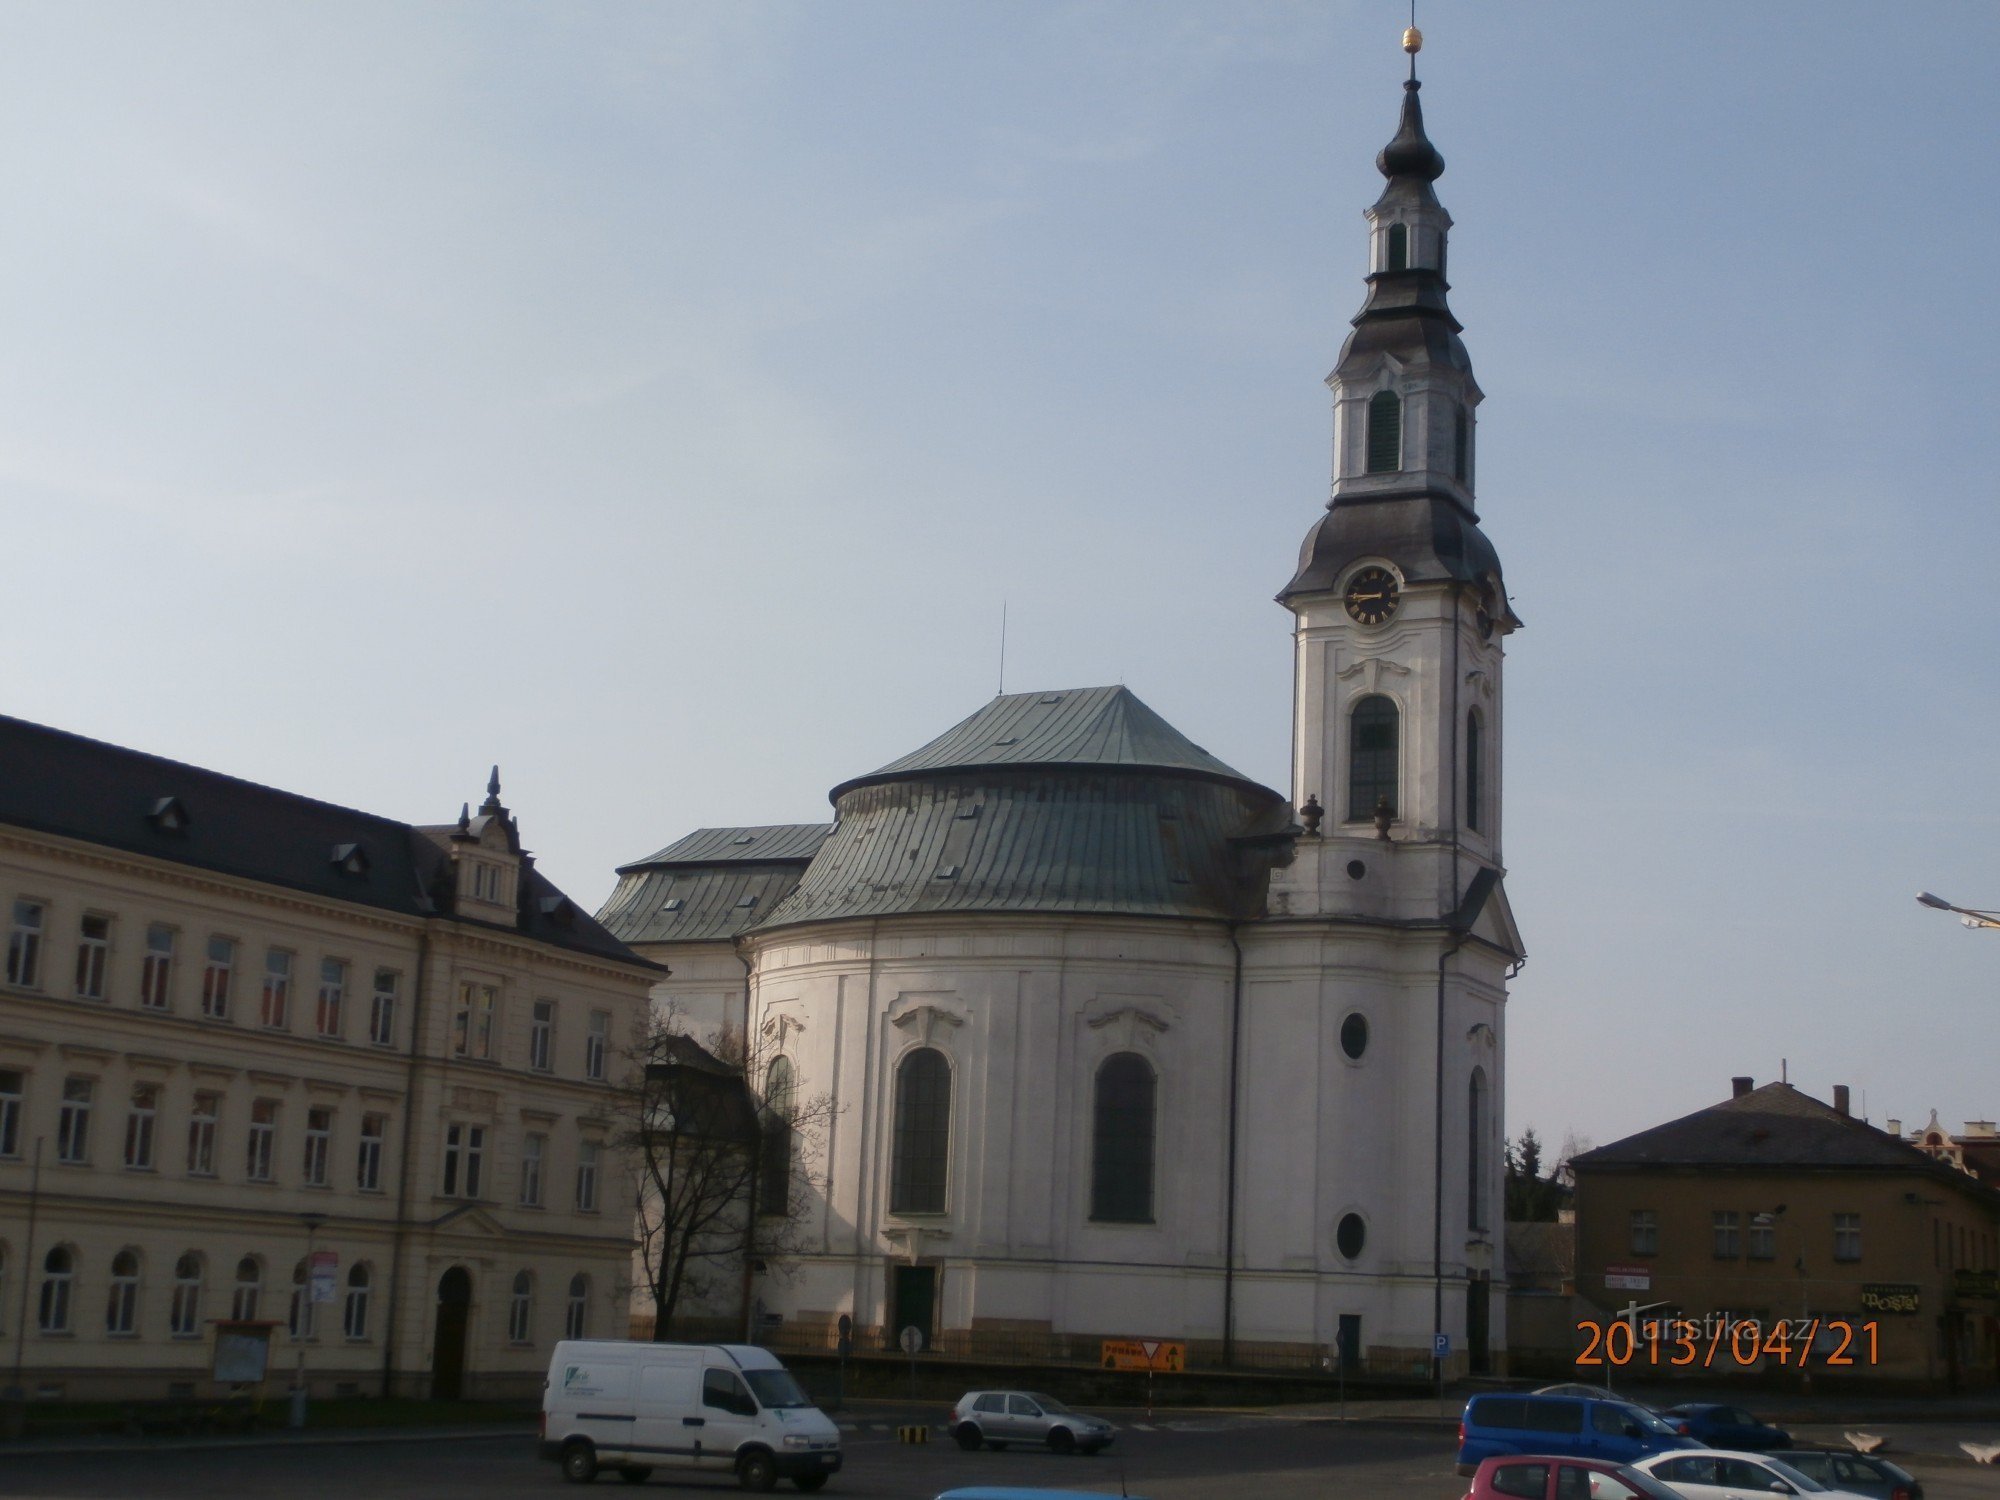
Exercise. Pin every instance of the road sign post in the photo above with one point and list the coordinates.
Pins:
(845, 1347)
(912, 1339)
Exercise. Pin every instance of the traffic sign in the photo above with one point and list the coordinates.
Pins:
(1440, 1345)
(912, 1339)
(1168, 1355)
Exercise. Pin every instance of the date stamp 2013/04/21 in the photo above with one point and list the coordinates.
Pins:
(1719, 1339)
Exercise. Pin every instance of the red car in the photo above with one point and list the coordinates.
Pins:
(1528, 1476)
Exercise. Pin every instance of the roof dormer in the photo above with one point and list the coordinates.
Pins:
(486, 860)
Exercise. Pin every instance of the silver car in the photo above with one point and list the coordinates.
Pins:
(997, 1418)
(1724, 1474)
(1863, 1473)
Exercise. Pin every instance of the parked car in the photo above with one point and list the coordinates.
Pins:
(1717, 1474)
(1550, 1477)
(1611, 1431)
(997, 1418)
(1863, 1473)
(1731, 1427)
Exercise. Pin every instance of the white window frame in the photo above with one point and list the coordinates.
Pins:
(327, 1017)
(24, 943)
(13, 1092)
(368, 1156)
(141, 1122)
(587, 1153)
(261, 1147)
(184, 1315)
(576, 1315)
(1847, 1238)
(596, 1043)
(204, 1114)
(73, 1121)
(274, 1006)
(218, 972)
(246, 1294)
(53, 1304)
(541, 1035)
(534, 1158)
(354, 1310)
(156, 975)
(1645, 1231)
(382, 1008)
(93, 954)
(319, 1146)
(521, 1308)
(121, 1306)
(464, 1159)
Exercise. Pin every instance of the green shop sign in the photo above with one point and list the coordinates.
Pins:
(1889, 1296)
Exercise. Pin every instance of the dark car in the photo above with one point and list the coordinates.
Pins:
(1863, 1473)
(1533, 1476)
(1720, 1426)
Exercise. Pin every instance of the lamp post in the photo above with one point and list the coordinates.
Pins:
(305, 1323)
(1970, 916)
(1769, 1219)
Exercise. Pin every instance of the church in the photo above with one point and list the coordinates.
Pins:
(1120, 1043)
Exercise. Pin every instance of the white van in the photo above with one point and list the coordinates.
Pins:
(713, 1408)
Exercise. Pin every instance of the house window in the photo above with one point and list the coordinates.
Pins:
(299, 1314)
(332, 992)
(1398, 257)
(774, 1174)
(368, 1160)
(520, 1308)
(58, 1273)
(1762, 1240)
(1847, 1237)
(1121, 1152)
(24, 946)
(262, 1147)
(382, 1009)
(1372, 756)
(215, 978)
(93, 949)
(577, 1313)
(472, 1022)
(1385, 433)
(276, 1008)
(1474, 779)
(73, 1123)
(541, 1035)
(139, 1127)
(121, 1307)
(201, 1134)
(157, 976)
(319, 1145)
(184, 1316)
(923, 1133)
(249, 1289)
(586, 1177)
(595, 1041)
(1727, 1225)
(464, 1157)
(534, 1151)
(354, 1312)
(1645, 1232)
(13, 1084)
(1475, 1150)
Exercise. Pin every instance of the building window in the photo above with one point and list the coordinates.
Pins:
(1350, 1236)
(1847, 1237)
(249, 1289)
(472, 1022)
(595, 1042)
(534, 1151)
(299, 1315)
(156, 978)
(1398, 257)
(24, 946)
(382, 1009)
(1475, 1150)
(215, 978)
(139, 1127)
(464, 1156)
(1372, 756)
(121, 1307)
(1474, 769)
(1727, 1227)
(276, 1008)
(332, 995)
(58, 1272)
(917, 1171)
(1762, 1239)
(520, 1308)
(201, 1134)
(586, 1177)
(12, 1086)
(73, 1123)
(93, 950)
(1645, 1232)
(576, 1316)
(774, 1172)
(354, 1312)
(1385, 433)
(184, 1316)
(319, 1145)
(262, 1148)
(368, 1160)
(541, 1035)
(1121, 1152)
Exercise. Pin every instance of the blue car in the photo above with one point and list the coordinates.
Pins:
(1720, 1426)
(1563, 1426)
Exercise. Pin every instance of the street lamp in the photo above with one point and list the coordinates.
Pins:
(305, 1324)
(1769, 1219)
(1969, 915)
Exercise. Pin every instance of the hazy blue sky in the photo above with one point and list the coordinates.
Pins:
(661, 400)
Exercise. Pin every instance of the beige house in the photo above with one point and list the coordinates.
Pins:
(268, 1061)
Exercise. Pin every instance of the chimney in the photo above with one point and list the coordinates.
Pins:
(1894, 1127)
(1740, 1086)
(1840, 1099)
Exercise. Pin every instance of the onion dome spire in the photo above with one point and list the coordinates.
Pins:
(1411, 153)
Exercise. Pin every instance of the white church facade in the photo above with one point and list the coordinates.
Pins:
(1121, 1043)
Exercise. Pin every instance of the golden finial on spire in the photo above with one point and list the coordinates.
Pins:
(1413, 41)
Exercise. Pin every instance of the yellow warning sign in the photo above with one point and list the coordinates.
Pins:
(1144, 1354)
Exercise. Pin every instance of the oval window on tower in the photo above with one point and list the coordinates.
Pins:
(1354, 1035)
(1350, 1236)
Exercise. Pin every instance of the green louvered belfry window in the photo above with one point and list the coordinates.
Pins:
(1474, 779)
(1121, 1158)
(1371, 757)
(922, 1147)
(1385, 432)
(1398, 257)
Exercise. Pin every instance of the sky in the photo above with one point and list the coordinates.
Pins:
(665, 400)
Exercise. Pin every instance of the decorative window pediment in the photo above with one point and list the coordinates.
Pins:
(923, 1019)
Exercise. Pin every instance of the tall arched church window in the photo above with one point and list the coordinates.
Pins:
(1371, 757)
(1475, 780)
(1398, 254)
(774, 1172)
(1475, 1150)
(1385, 433)
(923, 1133)
(1121, 1161)
(1461, 446)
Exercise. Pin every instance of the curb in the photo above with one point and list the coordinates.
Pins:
(352, 1437)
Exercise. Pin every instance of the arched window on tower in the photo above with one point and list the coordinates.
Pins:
(1371, 757)
(1461, 447)
(1475, 1150)
(774, 1172)
(1385, 433)
(1121, 1159)
(1397, 256)
(923, 1133)
(1475, 775)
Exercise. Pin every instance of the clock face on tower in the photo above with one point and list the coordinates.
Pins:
(1371, 595)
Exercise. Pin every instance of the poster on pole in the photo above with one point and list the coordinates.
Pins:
(325, 1275)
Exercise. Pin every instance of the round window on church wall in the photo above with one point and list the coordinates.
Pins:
(1354, 1035)
(1350, 1236)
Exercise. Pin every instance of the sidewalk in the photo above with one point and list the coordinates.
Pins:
(279, 1437)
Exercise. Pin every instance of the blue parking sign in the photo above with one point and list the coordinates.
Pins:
(1440, 1345)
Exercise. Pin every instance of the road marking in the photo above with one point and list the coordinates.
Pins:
(1141, 1427)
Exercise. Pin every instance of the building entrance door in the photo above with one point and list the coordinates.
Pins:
(454, 1312)
(914, 1298)
(1348, 1343)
